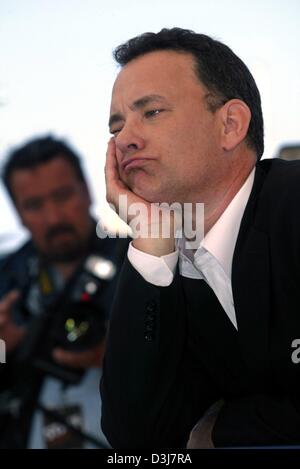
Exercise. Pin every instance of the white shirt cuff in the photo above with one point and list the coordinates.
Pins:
(156, 270)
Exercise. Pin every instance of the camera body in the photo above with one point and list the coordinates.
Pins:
(74, 319)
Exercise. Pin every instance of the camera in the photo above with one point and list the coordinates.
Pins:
(75, 320)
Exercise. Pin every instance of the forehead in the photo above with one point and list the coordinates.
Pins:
(167, 73)
(43, 178)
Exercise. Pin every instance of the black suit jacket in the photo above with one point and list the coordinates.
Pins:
(172, 351)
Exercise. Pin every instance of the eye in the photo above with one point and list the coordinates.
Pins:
(63, 194)
(115, 132)
(153, 112)
(32, 205)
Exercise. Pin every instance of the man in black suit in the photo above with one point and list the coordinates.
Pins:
(209, 334)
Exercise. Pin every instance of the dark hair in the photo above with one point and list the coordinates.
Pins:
(223, 73)
(36, 152)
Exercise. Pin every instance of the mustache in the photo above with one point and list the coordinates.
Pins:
(59, 229)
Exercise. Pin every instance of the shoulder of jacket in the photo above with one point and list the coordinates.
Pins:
(111, 248)
(17, 257)
(281, 179)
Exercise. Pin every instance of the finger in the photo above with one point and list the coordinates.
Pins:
(12, 335)
(8, 301)
(83, 359)
(64, 357)
(111, 164)
(112, 174)
(115, 187)
(4, 319)
(72, 359)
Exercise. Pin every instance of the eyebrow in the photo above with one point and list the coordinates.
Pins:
(138, 104)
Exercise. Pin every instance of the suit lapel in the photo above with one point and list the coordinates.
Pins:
(250, 284)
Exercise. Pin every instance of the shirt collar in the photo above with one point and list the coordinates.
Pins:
(221, 239)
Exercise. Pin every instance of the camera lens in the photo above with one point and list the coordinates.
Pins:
(82, 326)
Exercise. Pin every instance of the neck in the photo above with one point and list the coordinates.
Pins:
(222, 192)
(67, 269)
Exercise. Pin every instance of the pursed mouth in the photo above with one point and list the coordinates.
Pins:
(60, 235)
(132, 163)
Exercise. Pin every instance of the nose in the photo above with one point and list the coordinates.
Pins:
(53, 214)
(129, 140)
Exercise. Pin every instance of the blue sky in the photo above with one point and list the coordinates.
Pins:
(56, 68)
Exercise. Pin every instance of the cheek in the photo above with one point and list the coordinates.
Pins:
(77, 213)
(182, 152)
(33, 222)
(79, 202)
(38, 232)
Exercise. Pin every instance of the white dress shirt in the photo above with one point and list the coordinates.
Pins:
(213, 259)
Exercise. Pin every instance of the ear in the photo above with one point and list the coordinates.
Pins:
(236, 116)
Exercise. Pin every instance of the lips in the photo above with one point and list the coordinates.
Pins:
(132, 163)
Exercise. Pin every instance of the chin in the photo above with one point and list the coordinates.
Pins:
(147, 195)
(153, 195)
(63, 256)
(141, 185)
(66, 252)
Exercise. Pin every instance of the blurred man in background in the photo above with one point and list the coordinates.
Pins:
(55, 295)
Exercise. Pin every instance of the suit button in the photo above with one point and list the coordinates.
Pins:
(148, 336)
(151, 317)
(151, 307)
